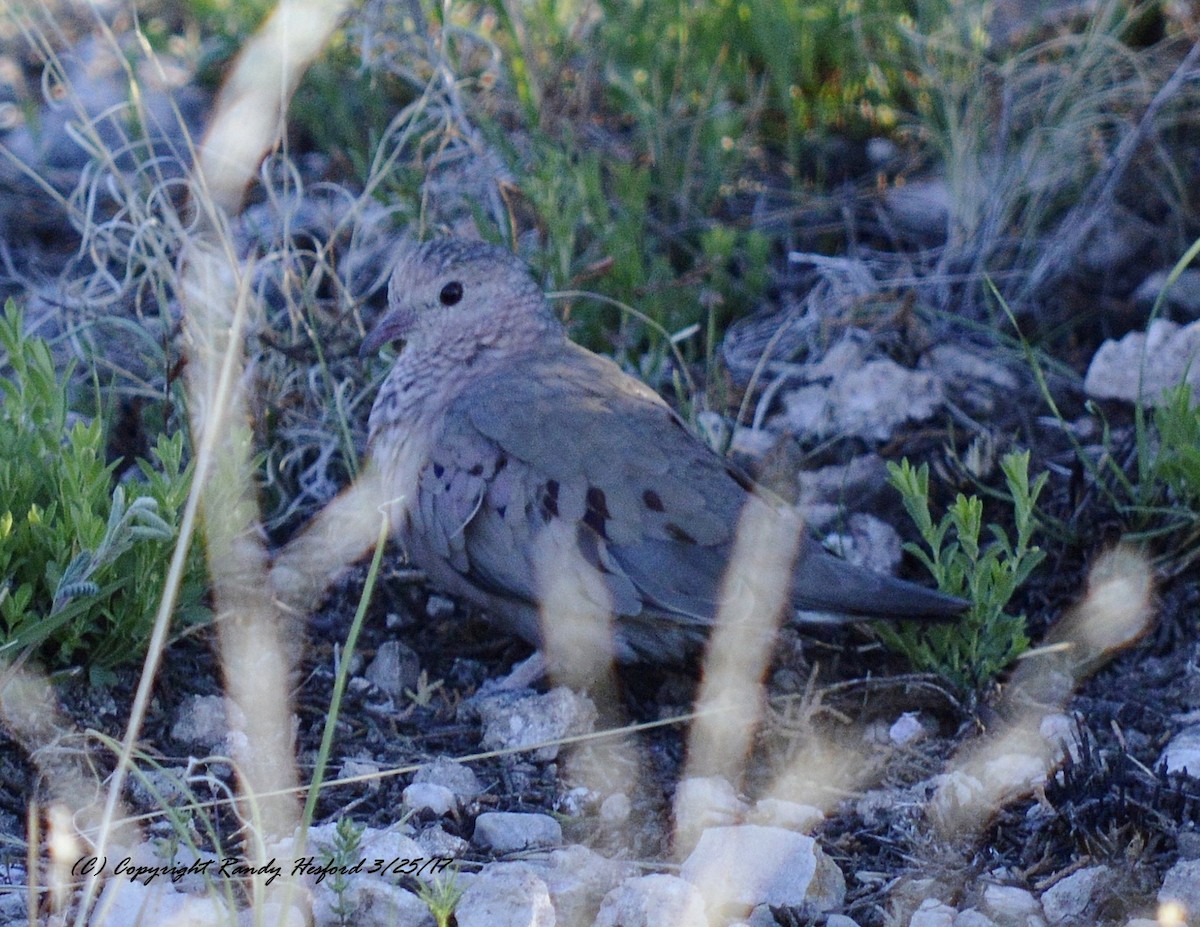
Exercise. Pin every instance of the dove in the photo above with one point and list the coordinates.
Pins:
(502, 438)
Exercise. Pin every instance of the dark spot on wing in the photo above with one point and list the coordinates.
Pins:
(550, 499)
(596, 514)
(501, 462)
(596, 500)
(438, 470)
(501, 509)
(678, 534)
(476, 470)
(652, 500)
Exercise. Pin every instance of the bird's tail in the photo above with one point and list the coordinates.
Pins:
(828, 590)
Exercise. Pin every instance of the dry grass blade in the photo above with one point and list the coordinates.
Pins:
(215, 292)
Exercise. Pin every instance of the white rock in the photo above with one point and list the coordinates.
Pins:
(615, 809)
(505, 896)
(372, 901)
(388, 843)
(753, 865)
(956, 790)
(201, 721)
(525, 719)
(577, 879)
(702, 802)
(575, 802)
(457, 777)
(761, 916)
(651, 901)
(862, 479)
(906, 729)
(429, 796)
(1182, 754)
(1012, 906)
(933, 913)
(123, 902)
(753, 442)
(972, 918)
(870, 542)
(1161, 358)
(966, 369)
(862, 398)
(272, 912)
(434, 841)
(1066, 901)
(1181, 885)
(513, 831)
(840, 920)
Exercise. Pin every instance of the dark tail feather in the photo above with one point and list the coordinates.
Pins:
(825, 583)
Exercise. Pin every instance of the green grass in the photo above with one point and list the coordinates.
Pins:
(692, 97)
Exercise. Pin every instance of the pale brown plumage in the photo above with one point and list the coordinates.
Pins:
(494, 425)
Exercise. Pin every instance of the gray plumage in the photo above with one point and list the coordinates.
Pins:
(494, 426)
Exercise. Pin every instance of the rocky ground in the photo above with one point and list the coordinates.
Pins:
(852, 807)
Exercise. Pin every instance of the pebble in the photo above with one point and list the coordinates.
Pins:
(653, 900)
(513, 831)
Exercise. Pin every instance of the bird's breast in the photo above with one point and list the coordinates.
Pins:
(399, 453)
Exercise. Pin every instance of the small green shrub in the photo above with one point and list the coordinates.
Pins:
(345, 853)
(1163, 499)
(1176, 463)
(442, 897)
(82, 562)
(969, 653)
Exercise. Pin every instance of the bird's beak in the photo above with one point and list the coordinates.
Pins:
(396, 324)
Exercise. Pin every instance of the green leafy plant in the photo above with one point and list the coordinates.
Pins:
(81, 561)
(346, 851)
(969, 653)
(441, 896)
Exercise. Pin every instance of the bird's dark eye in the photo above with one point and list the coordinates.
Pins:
(451, 293)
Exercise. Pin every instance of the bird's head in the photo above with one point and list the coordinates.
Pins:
(450, 287)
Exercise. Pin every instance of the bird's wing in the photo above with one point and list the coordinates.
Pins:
(566, 435)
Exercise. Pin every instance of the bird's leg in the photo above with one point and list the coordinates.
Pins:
(522, 676)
